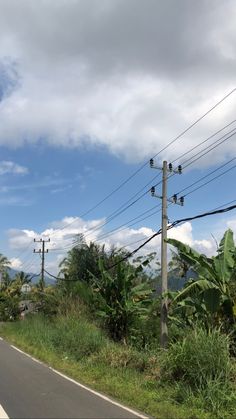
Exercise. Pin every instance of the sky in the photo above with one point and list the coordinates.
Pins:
(90, 90)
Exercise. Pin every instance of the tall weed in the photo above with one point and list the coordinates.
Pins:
(77, 337)
(201, 367)
(198, 358)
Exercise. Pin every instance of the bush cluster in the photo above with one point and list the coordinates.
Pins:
(201, 367)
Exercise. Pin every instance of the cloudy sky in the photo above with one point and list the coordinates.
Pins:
(89, 91)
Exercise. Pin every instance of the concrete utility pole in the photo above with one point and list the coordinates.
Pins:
(164, 286)
(42, 252)
(164, 282)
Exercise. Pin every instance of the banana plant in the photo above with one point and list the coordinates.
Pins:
(211, 290)
(123, 299)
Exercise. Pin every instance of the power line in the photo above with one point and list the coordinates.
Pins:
(211, 180)
(25, 266)
(25, 249)
(208, 148)
(123, 226)
(158, 153)
(123, 208)
(116, 214)
(163, 149)
(227, 203)
(170, 226)
(127, 224)
(204, 177)
(206, 140)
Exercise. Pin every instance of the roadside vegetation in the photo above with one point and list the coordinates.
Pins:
(100, 324)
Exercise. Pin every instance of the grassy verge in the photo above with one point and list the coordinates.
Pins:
(80, 350)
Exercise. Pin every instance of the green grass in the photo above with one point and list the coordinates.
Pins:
(79, 349)
(201, 365)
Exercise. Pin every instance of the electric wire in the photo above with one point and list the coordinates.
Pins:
(124, 208)
(116, 214)
(130, 223)
(211, 180)
(158, 153)
(209, 149)
(170, 226)
(204, 177)
(25, 249)
(206, 140)
(122, 227)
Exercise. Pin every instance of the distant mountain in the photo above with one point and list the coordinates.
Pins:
(34, 280)
(175, 282)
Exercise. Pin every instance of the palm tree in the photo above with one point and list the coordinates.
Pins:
(4, 263)
(22, 278)
(4, 276)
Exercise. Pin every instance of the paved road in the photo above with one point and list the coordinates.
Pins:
(29, 389)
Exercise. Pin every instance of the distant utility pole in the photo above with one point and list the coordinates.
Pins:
(164, 283)
(42, 252)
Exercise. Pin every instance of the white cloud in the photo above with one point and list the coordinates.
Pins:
(124, 75)
(7, 167)
(16, 263)
(62, 234)
(20, 239)
(232, 224)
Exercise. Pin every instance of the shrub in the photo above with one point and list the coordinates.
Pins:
(77, 337)
(118, 356)
(200, 366)
(198, 358)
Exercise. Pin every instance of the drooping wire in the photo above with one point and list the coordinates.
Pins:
(203, 153)
(170, 226)
(182, 133)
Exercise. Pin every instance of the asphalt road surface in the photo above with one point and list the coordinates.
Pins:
(30, 389)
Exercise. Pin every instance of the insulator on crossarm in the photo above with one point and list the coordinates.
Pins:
(170, 167)
(174, 197)
(180, 169)
(181, 200)
(151, 162)
(153, 190)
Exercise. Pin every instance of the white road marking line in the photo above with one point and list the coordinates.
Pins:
(24, 353)
(3, 414)
(139, 415)
(96, 393)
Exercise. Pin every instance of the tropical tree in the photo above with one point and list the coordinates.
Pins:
(123, 297)
(22, 278)
(210, 296)
(4, 263)
(81, 261)
(9, 296)
(4, 276)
